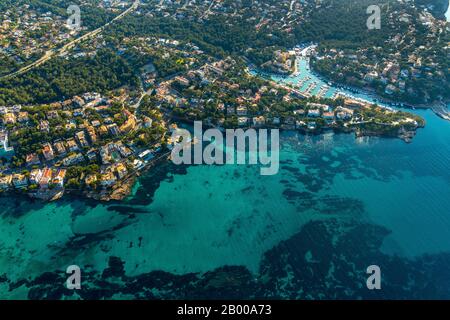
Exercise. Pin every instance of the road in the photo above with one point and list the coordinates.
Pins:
(208, 11)
(54, 52)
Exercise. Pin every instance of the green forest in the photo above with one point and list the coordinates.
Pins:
(60, 78)
(338, 24)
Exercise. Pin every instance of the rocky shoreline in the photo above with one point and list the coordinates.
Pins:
(122, 191)
(403, 134)
(125, 187)
(119, 192)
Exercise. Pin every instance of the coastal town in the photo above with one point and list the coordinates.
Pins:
(85, 143)
(109, 111)
(29, 31)
(399, 68)
(93, 144)
(251, 150)
(25, 34)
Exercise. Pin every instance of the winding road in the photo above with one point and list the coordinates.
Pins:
(53, 52)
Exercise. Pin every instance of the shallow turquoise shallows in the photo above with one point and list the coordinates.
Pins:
(203, 217)
(198, 218)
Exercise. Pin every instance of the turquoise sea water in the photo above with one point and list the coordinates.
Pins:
(199, 218)
(337, 205)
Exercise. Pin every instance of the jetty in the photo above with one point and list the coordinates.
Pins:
(442, 111)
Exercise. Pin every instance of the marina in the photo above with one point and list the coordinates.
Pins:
(309, 84)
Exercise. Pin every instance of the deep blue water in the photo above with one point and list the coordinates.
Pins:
(337, 205)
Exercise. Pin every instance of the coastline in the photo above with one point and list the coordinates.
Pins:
(120, 190)
(369, 157)
(123, 189)
(402, 133)
(440, 108)
(436, 106)
(368, 121)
